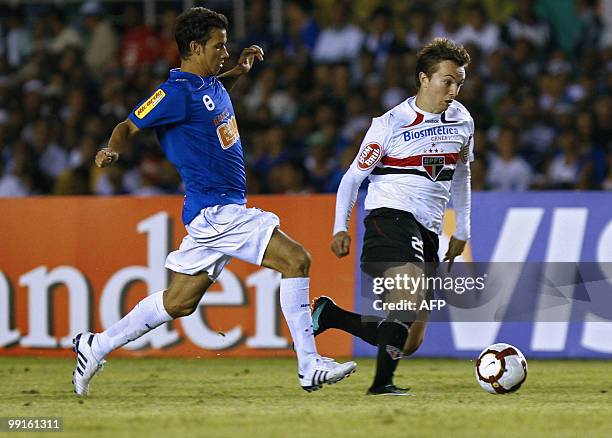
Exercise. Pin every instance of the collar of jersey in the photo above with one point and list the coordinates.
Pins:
(414, 107)
(195, 80)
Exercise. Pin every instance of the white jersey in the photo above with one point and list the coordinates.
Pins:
(414, 160)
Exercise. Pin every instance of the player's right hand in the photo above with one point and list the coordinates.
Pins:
(341, 245)
(248, 56)
(106, 157)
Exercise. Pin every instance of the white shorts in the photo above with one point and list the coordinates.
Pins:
(219, 233)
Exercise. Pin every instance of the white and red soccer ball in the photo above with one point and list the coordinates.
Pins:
(501, 368)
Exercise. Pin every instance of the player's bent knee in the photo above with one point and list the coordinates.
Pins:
(178, 306)
(180, 310)
(299, 263)
(184, 294)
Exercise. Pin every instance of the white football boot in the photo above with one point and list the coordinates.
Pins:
(325, 370)
(87, 366)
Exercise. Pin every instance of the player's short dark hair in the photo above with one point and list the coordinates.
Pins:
(438, 50)
(196, 24)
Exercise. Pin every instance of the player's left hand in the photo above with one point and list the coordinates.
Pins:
(106, 157)
(455, 249)
(247, 58)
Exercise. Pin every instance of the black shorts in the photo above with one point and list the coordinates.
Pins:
(396, 237)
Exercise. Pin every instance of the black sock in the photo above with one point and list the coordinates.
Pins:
(364, 327)
(391, 339)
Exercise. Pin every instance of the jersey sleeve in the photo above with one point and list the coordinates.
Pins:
(470, 143)
(373, 147)
(461, 191)
(370, 153)
(166, 105)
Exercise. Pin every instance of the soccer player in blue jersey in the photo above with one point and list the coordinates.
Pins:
(193, 117)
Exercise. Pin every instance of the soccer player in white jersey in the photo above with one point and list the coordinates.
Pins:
(194, 119)
(416, 156)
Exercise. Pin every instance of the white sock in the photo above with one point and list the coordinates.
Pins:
(295, 304)
(148, 314)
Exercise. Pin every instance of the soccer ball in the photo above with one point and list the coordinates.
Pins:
(501, 368)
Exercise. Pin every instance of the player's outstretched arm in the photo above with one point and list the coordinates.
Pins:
(109, 155)
(245, 62)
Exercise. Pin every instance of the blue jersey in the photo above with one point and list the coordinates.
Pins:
(196, 126)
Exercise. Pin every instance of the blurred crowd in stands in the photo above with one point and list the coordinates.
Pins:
(539, 89)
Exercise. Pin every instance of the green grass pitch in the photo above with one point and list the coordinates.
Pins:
(260, 398)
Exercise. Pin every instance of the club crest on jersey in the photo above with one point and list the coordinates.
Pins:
(370, 155)
(433, 165)
(151, 103)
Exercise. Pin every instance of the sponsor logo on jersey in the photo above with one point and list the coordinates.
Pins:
(151, 103)
(433, 165)
(370, 155)
(429, 132)
(227, 133)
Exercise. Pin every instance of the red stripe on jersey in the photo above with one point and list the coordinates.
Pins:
(417, 160)
(419, 119)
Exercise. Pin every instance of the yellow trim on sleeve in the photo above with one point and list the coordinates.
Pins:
(151, 103)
